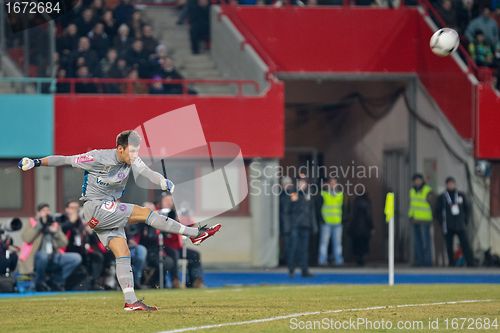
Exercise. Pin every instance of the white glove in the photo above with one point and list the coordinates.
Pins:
(167, 185)
(26, 164)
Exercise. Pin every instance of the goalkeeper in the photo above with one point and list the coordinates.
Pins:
(105, 176)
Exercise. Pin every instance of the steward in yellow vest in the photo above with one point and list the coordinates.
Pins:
(331, 210)
(420, 209)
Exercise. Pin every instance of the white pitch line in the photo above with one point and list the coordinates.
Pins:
(302, 314)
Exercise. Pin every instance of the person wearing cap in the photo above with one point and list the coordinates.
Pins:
(420, 215)
(453, 214)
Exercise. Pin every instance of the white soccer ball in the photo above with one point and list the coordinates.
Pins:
(444, 42)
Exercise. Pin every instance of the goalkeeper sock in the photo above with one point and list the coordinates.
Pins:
(167, 224)
(126, 278)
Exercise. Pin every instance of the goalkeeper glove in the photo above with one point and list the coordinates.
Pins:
(167, 185)
(26, 164)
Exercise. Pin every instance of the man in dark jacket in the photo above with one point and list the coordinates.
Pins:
(284, 217)
(360, 227)
(301, 225)
(453, 213)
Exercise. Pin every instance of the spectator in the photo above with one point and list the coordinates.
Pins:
(78, 242)
(332, 214)
(122, 41)
(106, 64)
(157, 88)
(453, 214)
(284, 215)
(137, 58)
(183, 6)
(148, 41)
(448, 13)
(44, 241)
(497, 15)
(123, 12)
(99, 41)
(86, 22)
(485, 24)
(137, 86)
(156, 60)
(97, 8)
(169, 72)
(85, 87)
(467, 10)
(110, 27)
(302, 224)
(120, 70)
(136, 24)
(480, 50)
(68, 42)
(420, 214)
(199, 19)
(361, 227)
(85, 56)
(62, 87)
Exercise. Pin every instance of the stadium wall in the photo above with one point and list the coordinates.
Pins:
(254, 123)
(234, 57)
(27, 126)
(337, 41)
(487, 124)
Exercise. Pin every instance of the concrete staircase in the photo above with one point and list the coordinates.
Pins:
(176, 38)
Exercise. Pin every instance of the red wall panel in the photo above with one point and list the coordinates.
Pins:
(447, 83)
(84, 122)
(358, 40)
(488, 122)
(339, 40)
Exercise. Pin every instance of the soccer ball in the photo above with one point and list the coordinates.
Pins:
(444, 42)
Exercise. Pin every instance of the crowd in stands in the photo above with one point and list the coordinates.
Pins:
(105, 42)
(478, 23)
(61, 252)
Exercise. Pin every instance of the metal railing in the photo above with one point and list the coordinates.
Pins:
(120, 86)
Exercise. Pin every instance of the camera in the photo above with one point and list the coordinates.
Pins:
(14, 225)
(46, 223)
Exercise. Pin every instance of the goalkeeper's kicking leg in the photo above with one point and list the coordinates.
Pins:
(166, 224)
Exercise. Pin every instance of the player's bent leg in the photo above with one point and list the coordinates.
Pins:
(166, 224)
(119, 247)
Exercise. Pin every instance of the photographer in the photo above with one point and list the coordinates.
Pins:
(79, 241)
(45, 241)
(8, 251)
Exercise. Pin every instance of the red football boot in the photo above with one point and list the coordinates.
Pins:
(204, 233)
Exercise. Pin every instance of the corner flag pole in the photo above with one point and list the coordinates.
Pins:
(389, 218)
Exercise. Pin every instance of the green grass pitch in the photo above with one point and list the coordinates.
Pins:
(102, 311)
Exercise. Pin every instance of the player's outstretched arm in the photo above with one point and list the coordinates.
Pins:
(83, 161)
(26, 163)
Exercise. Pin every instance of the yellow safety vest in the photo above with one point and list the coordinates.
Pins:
(332, 207)
(420, 209)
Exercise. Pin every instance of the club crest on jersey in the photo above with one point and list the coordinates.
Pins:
(109, 206)
(84, 159)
